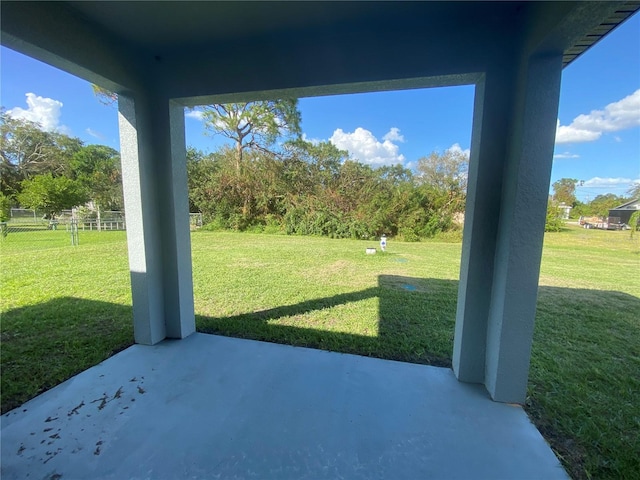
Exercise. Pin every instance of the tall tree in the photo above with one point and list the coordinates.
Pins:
(253, 125)
(446, 171)
(201, 169)
(97, 168)
(601, 205)
(445, 175)
(395, 174)
(564, 191)
(52, 194)
(322, 160)
(27, 150)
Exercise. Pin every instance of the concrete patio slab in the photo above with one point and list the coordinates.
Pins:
(217, 407)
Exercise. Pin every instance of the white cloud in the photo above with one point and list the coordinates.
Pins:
(600, 182)
(393, 135)
(95, 133)
(566, 155)
(41, 110)
(570, 134)
(456, 148)
(615, 116)
(314, 141)
(197, 114)
(365, 147)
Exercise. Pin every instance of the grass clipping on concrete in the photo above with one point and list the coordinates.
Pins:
(67, 308)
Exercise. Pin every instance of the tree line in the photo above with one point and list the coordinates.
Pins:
(50, 171)
(273, 180)
(315, 189)
(269, 180)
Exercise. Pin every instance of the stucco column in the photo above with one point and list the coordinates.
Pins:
(491, 114)
(152, 148)
(521, 230)
(513, 138)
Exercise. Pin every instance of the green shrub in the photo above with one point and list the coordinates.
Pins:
(553, 223)
(454, 235)
(273, 225)
(5, 207)
(257, 228)
(216, 224)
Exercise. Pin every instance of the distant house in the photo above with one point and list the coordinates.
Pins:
(624, 211)
(564, 211)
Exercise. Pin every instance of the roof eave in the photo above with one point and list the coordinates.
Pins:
(626, 10)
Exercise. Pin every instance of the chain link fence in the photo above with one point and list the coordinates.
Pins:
(195, 221)
(24, 225)
(26, 222)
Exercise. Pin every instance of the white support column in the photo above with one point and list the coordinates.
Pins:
(521, 230)
(512, 150)
(175, 229)
(488, 150)
(156, 207)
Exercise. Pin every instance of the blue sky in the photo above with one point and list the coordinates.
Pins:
(598, 139)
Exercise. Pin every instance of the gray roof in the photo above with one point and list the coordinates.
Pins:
(632, 205)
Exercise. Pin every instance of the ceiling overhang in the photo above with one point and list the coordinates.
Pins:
(197, 51)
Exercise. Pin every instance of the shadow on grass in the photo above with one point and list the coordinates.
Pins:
(47, 343)
(416, 320)
(44, 344)
(585, 362)
(583, 385)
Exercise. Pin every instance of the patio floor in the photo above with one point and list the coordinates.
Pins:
(217, 407)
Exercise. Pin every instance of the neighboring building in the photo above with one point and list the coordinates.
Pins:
(624, 211)
(564, 211)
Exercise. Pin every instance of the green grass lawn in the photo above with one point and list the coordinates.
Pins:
(66, 308)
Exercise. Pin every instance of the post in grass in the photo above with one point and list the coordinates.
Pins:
(73, 228)
(383, 242)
